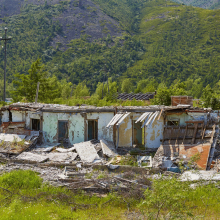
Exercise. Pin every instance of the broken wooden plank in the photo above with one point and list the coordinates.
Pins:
(194, 135)
(213, 133)
(185, 134)
(160, 114)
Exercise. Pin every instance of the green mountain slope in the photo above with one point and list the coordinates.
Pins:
(137, 39)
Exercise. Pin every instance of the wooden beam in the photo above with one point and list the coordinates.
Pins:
(195, 131)
(177, 137)
(213, 133)
(185, 134)
(204, 131)
(160, 114)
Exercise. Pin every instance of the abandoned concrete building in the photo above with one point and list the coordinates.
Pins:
(180, 129)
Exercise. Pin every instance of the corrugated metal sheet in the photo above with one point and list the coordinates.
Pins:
(123, 117)
(142, 117)
(115, 119)
(137, 96)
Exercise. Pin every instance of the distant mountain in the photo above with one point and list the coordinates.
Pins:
(90, 40)
(208, 4)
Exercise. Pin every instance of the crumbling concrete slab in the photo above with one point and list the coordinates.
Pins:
(144, 159)
(32, 157)
(62, 157)
(11, 137)
(108, 148)
(200, 175)
(86, 151)
(62, 150)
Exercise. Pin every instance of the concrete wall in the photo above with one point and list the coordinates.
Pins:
(125, 133)
(75, 126)
(18, 116)
(28, 117)
(5, 116)
(103, 119)
(183, 117)
(152, 134)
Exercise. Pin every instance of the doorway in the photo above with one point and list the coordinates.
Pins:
(138, 133)
(63, 131)
(92, 130)
(35, 124)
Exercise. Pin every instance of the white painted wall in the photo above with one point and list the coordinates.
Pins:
(154, 133)
(5, 116)
(76, 126)
(18, 116)
(103, 119)
(28, 117)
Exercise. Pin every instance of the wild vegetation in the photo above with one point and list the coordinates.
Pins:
(155, 45)
(23, 195)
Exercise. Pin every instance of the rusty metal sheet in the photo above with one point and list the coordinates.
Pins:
(189, 151)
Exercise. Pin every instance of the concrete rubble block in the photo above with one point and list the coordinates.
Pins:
(200, 175)
(62, 157)
(32, 157)
(11, 137)
(108, 148)
(62, 150)
(144, 159)
(46, 147)
(87, 152)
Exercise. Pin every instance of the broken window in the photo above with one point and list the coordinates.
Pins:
(35, 124)
(63, 131)
(138, 133)
(173, 123)
(92, 129)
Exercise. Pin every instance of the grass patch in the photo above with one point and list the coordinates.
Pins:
(29, 198)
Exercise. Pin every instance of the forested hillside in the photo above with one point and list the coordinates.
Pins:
(89, 41)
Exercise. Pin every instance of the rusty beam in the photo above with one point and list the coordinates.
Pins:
(194, 135)
(213, 133)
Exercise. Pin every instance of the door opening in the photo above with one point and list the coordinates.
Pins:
(63, 132)
(138, 133)
(35, 124)
(92, 129)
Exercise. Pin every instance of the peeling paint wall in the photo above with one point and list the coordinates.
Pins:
(28, 117)
(125, 133)
(75, 126)
(103, 119)
(183, 117)
(18, 116)
(154, 133)
(5, 116)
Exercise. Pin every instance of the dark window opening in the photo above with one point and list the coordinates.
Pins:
(63, 131)
(173, 123)
(92, 130)
(35, 124)
(10, 116)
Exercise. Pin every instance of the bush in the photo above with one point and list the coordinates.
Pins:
(21, 179)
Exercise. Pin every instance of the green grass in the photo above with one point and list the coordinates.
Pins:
(29, 198)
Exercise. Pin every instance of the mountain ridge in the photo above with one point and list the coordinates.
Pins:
(146, 39)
